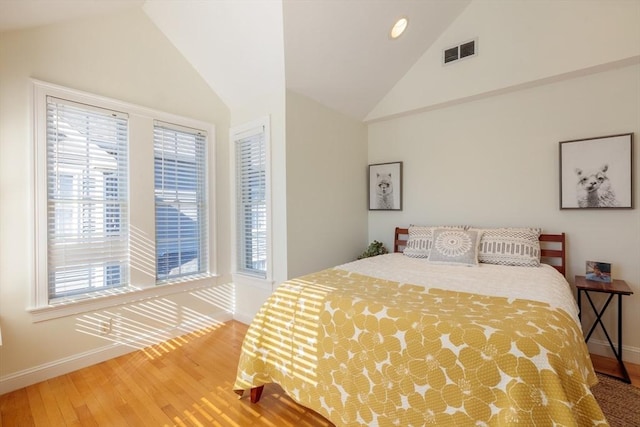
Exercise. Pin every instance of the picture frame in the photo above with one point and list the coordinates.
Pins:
(385, 186)
(598, 271)
(597, 173)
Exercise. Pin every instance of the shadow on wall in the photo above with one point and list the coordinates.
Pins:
(158, 325)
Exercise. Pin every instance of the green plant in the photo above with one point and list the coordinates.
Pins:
(375, 248)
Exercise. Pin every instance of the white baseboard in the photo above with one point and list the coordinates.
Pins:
(243, 318)
(60, 367)
(602, 348)
(72, 363)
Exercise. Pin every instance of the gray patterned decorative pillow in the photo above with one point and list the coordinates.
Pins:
(421, 239)
(510, 246)
(455, 246)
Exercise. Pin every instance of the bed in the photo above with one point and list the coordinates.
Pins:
(405, 341)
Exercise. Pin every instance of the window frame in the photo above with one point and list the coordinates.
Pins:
(87, 172)
(140, 132)
(236, 133)
(202, 216)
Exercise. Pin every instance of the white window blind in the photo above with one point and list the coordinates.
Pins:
(251, 204)
(180, 197)
(87, 212)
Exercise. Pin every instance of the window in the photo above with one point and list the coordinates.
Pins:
(100, 239)
(251, 189)
(181, 225)
(87, 227)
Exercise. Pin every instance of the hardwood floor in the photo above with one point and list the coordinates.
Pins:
(610, 366)
(183, 382)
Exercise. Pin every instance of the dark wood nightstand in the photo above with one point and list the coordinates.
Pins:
(616, 287)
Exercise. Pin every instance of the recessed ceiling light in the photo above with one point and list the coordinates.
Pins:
(398, 28)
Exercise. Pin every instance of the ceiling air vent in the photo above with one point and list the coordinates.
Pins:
(464, 50)
(451, 54)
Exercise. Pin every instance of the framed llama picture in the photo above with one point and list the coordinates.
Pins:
(596, 173)
(385, 187)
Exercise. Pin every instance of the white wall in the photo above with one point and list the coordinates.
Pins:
(326, 186)
(121, 56)
(519, 42)
(494, 162)
(236, 45)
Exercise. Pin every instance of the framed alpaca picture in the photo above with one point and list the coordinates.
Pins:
(596, 173)
(385, 187)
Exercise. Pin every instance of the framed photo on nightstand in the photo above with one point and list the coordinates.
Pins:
(598, 271)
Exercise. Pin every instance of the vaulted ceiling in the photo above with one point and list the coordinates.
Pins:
(336, 52)
(340, 53)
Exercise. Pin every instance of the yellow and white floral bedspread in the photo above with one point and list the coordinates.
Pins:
(366, 351)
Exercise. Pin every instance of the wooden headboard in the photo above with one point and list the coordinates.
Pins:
(552, 248)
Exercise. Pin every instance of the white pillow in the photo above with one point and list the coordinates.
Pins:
(510, 246)
(455, 246)
(421, 239)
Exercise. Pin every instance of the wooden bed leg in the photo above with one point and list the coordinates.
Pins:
(256, 392)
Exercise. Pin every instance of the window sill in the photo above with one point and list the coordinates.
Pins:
(256, 282)
(98, 301)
